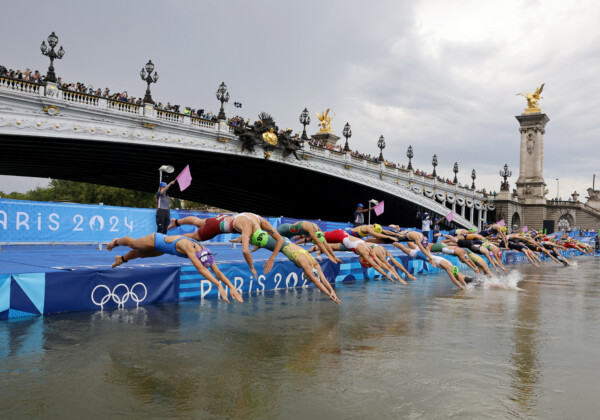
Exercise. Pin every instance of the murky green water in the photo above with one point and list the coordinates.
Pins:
(423, 351)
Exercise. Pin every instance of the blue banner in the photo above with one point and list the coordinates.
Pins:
(34, 221)
(31, 221)
(96, 290)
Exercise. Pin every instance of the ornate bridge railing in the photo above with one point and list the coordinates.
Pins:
(125, 122)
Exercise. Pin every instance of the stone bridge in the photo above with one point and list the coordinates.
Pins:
(49, 132)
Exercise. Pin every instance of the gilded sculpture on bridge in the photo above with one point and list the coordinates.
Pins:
(533, 99)
(325, 123)
(264, 132)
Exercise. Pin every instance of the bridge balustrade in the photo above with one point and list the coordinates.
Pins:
(199, 122)
(124, 107)
(20, 85)
(80, 98)
(169, 116)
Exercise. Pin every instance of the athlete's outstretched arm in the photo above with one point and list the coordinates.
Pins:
(264, 224)
(232, 290)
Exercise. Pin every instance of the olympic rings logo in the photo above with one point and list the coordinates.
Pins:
(119, 298)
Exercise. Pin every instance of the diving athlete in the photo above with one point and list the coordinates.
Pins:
(156, 244)
(246, 224)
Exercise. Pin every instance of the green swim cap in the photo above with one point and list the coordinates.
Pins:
(454, 270)
(472, 230)
(320, 236)
(259, 238)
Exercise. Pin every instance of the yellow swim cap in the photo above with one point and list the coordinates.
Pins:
(377, 228)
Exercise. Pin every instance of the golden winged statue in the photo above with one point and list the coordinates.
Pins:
(533, 99)
(325, 123)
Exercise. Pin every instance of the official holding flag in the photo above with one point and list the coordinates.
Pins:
(163, 211)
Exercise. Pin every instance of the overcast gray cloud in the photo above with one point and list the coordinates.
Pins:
(440, 76)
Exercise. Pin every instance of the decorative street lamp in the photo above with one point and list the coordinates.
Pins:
(381, 145)
(434, 162)
(52, 41)
(409, 154)
(304, 120)
(223, 96)
(473, 176)
(148, 77)
(505, 174)
(455, 170)
(347, 132)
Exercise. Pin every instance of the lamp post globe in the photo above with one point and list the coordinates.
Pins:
(381, 145)
(455, 170)
(50, 53)
(434, 162)
(222, 96)
(409, 154)
(304, 120)
(473, 176)
(148, 77)
(347, 132)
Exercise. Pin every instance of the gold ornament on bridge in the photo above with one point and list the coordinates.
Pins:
(270, 137)
(325, 123)
(533, 100)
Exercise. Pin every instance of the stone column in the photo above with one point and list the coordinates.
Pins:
(530, 184)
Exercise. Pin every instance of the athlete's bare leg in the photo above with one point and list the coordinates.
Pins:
(399, 265)
(133, 254)
(145, 243)
(189, 220)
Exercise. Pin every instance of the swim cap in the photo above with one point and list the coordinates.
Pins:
(377, 228)
(503, 228)
(472, 230)
(424, 241)
(320, 236)
(163, 184)
(454, 270)
(205, 257)
(259, 238)
(364, 262)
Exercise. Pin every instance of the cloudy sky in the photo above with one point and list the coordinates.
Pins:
(439, 75)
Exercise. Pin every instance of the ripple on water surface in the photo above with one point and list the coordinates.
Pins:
(519, 345)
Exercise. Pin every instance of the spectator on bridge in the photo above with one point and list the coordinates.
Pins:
(163, 212)
(359, 218)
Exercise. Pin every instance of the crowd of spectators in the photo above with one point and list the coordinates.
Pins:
(26, 75)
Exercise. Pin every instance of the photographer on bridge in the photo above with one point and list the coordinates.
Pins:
(163, 212)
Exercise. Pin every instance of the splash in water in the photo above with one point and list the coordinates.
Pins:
(508, 281)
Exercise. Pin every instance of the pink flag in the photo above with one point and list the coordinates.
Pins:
(525, 229)
(378, 209)
(450, 216)
(184, 178)
(501, 223)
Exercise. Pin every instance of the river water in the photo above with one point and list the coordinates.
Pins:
(526, 346)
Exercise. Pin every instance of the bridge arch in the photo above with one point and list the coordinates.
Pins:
(565, 220)
(515, 222)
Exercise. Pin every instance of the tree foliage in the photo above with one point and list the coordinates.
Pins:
(83, 193)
